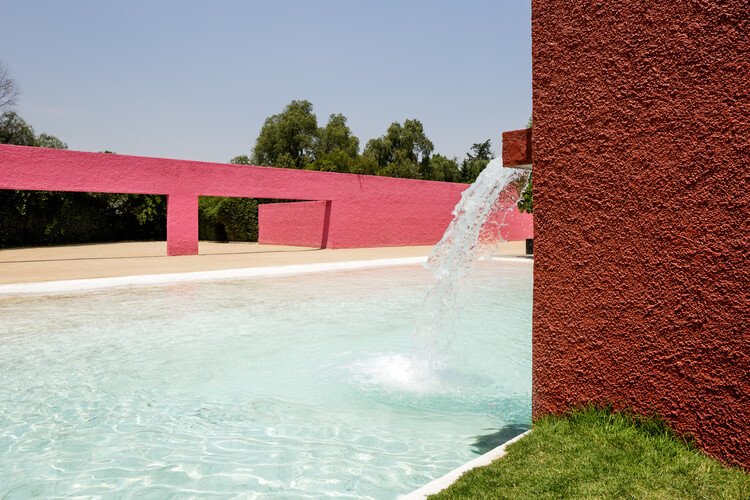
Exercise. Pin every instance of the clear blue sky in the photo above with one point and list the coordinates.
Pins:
(195, 80)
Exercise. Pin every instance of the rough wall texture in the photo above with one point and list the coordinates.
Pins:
(642, 211)
(301, 224)
(517, 148)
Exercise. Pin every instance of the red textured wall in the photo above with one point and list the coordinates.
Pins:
(517, 148)
(302, 224)
(641, 148)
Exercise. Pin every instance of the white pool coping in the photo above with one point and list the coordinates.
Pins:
(43, 287)
(62, 286)
(441, 483)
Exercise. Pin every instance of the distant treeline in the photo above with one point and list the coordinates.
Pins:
(293, 139)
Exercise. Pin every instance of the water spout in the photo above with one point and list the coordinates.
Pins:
(492, 195)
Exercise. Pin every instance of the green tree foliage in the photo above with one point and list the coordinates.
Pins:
(292, 139)
(241, 160)
(14, 130)
(50, 141)
(404, 151)
(444, 169)
(476, 160)
(336, 148)
(336, 136)
(227, 219)
(526, 202)
(288, 139)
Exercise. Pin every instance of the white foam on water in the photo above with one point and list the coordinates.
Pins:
(399, 372)
(492, 194)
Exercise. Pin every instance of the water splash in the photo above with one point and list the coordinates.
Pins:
(491, 196)
(485, 203)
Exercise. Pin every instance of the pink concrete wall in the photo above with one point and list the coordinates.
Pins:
(303, 223)
(365, 211)
(508, 223)
(182, 224)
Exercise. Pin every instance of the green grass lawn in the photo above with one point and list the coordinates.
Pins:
(598, 454)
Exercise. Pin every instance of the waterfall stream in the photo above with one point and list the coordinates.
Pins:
(489, 197)
(487, 201)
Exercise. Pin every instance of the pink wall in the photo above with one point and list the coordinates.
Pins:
(364, 211)
(302, 224)
(507, 223)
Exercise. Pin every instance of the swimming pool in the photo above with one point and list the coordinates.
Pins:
(289, 386)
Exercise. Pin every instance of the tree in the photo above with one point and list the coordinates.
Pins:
(404, 150)
(50, 141)
(336, 136)
(288, 139)
(292, 139)
(444, 169)
(476, 160)
(14, 130)
(335, 161)
(228, 219)
(526, 201)
(241, 160)
(336, 148)
(9, 90)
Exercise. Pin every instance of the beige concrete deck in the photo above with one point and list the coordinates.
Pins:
(27, 265)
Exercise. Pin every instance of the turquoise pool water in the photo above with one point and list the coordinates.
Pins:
(291, 386)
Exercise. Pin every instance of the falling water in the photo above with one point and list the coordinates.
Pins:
(451, 259)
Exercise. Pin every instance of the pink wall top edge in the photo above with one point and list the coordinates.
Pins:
(32, 168)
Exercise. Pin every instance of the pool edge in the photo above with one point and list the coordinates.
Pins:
(441, 483)
(75, 285)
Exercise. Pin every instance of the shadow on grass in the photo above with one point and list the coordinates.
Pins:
(486, 442)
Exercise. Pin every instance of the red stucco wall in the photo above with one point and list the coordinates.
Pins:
(641, 148)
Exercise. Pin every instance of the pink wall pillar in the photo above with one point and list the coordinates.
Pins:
(182, 224)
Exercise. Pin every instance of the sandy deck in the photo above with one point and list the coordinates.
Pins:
(27, 265)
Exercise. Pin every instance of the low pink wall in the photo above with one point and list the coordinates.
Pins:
(509, 224)
(364, 211)
(302, 224)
